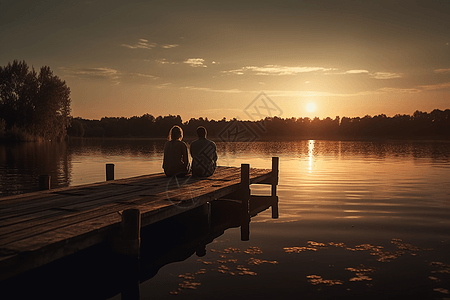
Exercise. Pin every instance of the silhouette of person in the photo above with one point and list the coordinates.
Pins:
(176, 159)
(204, 154)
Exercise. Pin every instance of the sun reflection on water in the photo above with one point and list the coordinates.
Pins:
(310, 154)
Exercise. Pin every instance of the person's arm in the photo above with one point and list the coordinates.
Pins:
(191, 145)
(215, 152)
(185, 157)
(165, 155)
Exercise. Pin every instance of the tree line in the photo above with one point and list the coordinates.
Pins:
(33, 105)
(418, 125)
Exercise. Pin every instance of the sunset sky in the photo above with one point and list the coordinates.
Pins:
(213, 58)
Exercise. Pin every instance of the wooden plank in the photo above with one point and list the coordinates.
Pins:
(68, 231)
(24, 204)
(32, 228)
(66, 210)
(64, 201)
(50, 213)
(12, 234)
(34, 195)
(42, 221)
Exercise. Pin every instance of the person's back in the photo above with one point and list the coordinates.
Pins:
(175, 153)
(176, 161)
(204, 154)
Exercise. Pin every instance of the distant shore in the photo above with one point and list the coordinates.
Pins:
(6, 140)
(277, 138)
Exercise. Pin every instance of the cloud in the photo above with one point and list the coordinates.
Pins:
(103, 73)
(195, 62)
(399, 90)
(297, 93)
(168, 46)
(348, 72)
(438, 86)
(163, 85)
(442, 71)
(376, 75)
(357, 72)
(143, 75)
(275, 93)
(92, 73)
(282, 93)
(141, 44)
(194, 88)
(275, 70)
(164, 61)
(385, 75)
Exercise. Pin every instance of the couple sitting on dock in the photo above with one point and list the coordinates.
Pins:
(176, 159)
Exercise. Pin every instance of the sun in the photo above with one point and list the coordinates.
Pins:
(310, 107)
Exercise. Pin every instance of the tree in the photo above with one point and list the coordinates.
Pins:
(76, 128)
(38, 104)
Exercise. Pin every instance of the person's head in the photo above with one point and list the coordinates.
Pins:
(175, 133)
(201, 132)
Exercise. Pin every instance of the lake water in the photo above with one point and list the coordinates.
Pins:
(357, 219)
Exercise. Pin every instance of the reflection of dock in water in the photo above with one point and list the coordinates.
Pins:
(39, 228)
(99, 273)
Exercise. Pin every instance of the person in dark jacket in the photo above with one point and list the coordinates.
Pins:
(204, 154)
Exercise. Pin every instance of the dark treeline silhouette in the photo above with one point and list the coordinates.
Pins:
(418, 125)
(144, 126)
(33, 106)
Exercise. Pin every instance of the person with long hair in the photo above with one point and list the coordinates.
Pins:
(176, 159)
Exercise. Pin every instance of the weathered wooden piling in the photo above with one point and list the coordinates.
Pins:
(245, 228)
(273, 194)
(245, 198)
(44, 182)
(245, 186)
(274, 206)
(275, 171)
(129, 275)
(128, 240)
(109, 172)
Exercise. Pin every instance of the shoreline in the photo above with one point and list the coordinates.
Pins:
(275, 139)
(6, 141)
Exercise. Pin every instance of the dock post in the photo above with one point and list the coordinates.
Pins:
(274, 205)
(245, 186)
(208, 213)
(129, 239)
(127, 245)
(275, 163)
(109, 172)
(44, 182)
(274, 183)
(130, 283)
(245, 227)
(245, 198)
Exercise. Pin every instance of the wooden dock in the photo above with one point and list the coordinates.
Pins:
(40, 227)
